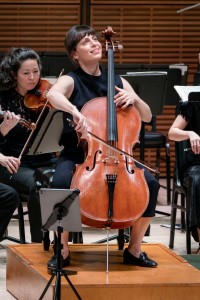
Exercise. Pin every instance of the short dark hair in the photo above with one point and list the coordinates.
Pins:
(74, 35)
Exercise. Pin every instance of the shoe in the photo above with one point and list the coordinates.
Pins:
(52, 263)
(142, 261)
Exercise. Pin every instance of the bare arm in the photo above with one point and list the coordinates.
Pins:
(127, 96)
(177, 133)
(58, 97)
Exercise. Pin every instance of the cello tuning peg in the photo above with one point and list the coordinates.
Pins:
(119, 46)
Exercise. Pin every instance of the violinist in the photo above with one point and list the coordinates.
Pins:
(69, 94)
(9, 197)
(186, 126)
(20, 71)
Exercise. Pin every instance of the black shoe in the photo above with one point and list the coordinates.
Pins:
(142, 261)
(52, 263)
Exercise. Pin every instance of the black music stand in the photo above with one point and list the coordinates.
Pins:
(48, 136)
(151, 87)
(63, 205)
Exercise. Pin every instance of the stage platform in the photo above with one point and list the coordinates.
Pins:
(174, 278)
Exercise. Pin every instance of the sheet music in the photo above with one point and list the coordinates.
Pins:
(184, 90)
(182, 67)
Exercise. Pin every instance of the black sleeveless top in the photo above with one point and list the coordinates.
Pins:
(86, 87)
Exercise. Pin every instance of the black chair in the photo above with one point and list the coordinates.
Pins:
(179, 199)
(19, 215)
(42, 177)
(151, 87)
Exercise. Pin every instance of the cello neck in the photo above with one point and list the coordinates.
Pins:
(111, 112)
(112, 116)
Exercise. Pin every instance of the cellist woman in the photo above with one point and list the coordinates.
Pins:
(69, 94)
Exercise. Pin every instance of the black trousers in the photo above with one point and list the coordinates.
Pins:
(192, 183)
(23, 182)
(9, 200)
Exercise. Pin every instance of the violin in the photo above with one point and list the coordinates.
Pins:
(37, 99)
(22, 121)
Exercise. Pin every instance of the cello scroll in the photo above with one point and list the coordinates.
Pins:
(108, 33)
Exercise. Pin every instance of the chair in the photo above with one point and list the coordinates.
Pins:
(19, 215)
(42, 177)
(151, 87)
(179, 190)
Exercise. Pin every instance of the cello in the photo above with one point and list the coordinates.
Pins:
(114, 192)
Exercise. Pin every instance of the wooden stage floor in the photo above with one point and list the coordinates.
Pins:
(174, 278)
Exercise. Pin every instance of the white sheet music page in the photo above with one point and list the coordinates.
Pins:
(184, 90)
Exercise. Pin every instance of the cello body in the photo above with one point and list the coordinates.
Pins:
(126, 185)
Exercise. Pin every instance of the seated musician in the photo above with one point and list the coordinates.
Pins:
(9, 197)
(69, 94)
(187, 127)
(20, 71)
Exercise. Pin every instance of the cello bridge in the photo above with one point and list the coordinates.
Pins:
(110, 160)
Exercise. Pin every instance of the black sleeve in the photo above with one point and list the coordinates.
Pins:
(185, 110)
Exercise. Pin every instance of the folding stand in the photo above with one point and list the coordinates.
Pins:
(48, 136)
(69, 209)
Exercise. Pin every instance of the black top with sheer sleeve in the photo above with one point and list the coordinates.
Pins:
(190, 111)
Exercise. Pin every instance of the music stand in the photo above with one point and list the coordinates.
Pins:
(150, 86)
(48, 136)
(59, 205)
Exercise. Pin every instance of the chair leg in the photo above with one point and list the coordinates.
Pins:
(77, 237)
(46, 241)
(168, 176)
(188, 236)
(21, 224)
(183, 215)
(157, 161)
(20, 217)
(173, 220)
